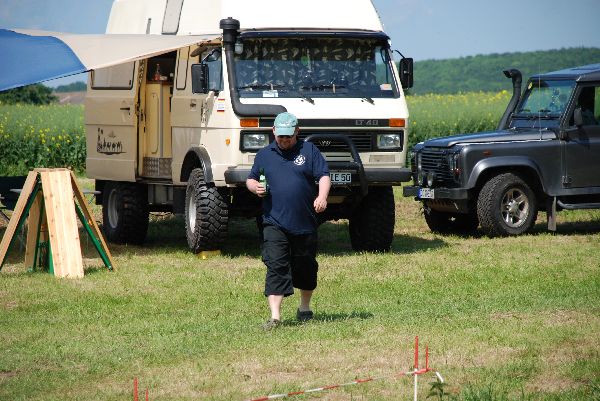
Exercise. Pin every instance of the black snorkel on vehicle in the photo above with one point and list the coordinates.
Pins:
(230, 29)
(516, 80)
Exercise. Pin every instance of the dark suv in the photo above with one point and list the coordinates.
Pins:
(545, 155)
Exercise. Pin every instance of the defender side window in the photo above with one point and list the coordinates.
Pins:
(588, 100)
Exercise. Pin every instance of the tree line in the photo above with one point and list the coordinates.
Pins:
(484, 72)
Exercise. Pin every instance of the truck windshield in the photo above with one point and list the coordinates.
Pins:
(314, 67)
(545, 98)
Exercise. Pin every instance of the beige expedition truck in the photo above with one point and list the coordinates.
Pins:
(179, 132)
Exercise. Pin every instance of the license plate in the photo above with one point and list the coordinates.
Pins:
(426, 193)
(340, 178)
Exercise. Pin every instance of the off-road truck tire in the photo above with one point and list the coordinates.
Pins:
(206, 214)
(506, 205)
(448, 223)
(125, 212)
(372, 224)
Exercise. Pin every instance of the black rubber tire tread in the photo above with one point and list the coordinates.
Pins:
(212, 215)
(132, 211)
(488, 205)
(372, 224)
(448, 223)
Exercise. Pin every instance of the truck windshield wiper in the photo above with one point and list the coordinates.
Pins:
(532, 116)
(307, 98)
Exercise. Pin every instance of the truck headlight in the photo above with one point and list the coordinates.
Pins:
(389, 141)
(254, 141)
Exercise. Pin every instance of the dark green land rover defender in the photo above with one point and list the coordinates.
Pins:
(545, 155)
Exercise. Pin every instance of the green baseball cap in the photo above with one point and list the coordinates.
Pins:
(285, 124)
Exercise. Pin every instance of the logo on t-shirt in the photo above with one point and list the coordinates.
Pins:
(299, 160)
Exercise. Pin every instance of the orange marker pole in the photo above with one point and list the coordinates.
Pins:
(135, 389)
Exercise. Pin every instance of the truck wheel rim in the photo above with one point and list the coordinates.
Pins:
(113, 213)
(514, 208)
(192, 214)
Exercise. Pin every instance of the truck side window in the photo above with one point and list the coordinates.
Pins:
(162, 68)
(589, 102)
(212, 58)
(116, 77)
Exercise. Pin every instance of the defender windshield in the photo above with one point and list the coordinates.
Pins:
(314, 67)
(545, 98)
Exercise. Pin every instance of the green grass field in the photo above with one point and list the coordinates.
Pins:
(505, 318)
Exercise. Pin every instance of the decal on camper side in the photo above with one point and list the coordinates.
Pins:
(108, 144)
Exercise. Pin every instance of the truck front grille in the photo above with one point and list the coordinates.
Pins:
(363, 141)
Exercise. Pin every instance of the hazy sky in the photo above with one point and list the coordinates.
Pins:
(422, 29)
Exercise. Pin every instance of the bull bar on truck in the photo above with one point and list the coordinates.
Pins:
(237, 176)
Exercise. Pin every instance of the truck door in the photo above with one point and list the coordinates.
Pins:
(190, 111)
(155, 129)
(582, 150)
(111, 123)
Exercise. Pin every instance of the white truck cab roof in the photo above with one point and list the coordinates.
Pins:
(199, 17)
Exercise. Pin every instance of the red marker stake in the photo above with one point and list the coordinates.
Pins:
(135, 389)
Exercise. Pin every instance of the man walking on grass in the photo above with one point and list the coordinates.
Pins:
(290, 203)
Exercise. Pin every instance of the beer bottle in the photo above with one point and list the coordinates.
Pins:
(263, 180)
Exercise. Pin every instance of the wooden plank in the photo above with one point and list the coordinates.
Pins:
(62, 223)
(32, 229)
(90, 219)
(18, 211)
(73, 256)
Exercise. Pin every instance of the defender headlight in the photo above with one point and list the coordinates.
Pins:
(389, 141)
(255, 141)
(453, 164)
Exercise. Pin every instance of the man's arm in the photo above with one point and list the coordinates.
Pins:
(256, 187)
(320, 203)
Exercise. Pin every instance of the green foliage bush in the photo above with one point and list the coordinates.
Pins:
(78, 86)
(37, 94)
(434, 116)
(54, 135)
(41, 136)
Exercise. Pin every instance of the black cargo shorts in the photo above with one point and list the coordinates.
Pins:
(291, 261)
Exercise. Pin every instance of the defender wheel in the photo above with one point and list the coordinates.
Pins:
(448, 223)
(506, 206)
(206, 214)
(124, 212)
(372, 224)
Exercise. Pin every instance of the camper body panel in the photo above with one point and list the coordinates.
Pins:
(203, 16)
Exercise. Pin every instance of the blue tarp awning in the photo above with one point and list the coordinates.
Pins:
(28, 57)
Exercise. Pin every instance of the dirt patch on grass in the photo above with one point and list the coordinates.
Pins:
(7, 374)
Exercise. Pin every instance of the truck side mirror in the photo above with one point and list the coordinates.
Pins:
(199, 78)
(578, 117)
(406, 72)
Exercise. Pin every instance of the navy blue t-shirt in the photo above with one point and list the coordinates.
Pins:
(291, 176)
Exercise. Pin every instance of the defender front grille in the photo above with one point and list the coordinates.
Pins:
(435, 160)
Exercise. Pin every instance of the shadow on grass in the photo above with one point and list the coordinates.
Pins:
(166, 234)
(331, 317)
(570, 227)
